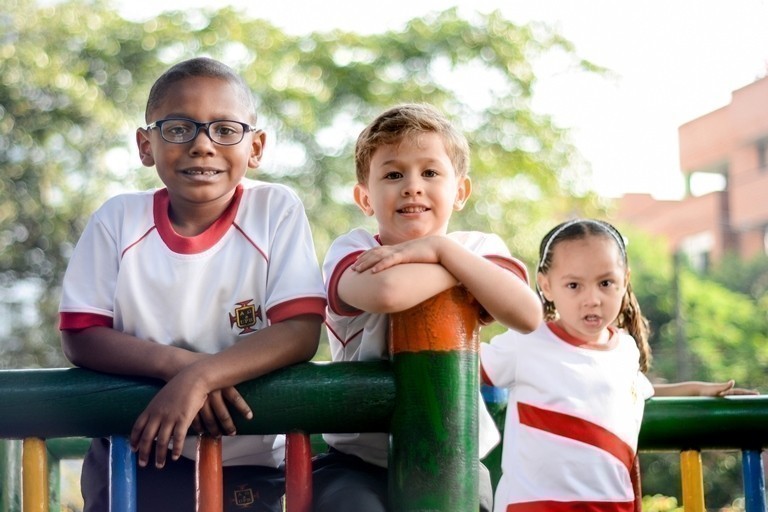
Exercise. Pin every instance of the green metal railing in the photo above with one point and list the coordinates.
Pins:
(426, 397)
(73, 403)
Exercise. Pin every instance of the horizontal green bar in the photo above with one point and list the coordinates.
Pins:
(735, 422)
(317, 398)
(68, 447)
(311, 397)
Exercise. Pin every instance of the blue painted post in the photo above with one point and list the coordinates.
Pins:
(122, 475)
(754, 480)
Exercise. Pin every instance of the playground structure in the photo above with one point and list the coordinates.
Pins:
(426, 396)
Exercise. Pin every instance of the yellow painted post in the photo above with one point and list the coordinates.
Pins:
(693, 481)
(34, 475)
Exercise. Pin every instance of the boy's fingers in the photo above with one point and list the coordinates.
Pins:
(220, 414)
(197, 425)
(161, 445)
(234, 397)
(208, 416)
(136, 431)
(142, 437)
(179, 435)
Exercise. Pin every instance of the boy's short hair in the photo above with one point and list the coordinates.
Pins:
(198, 67)
(406, 120)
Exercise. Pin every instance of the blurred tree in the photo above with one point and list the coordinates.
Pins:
(725, 333)
(75, 78)
(748, 277)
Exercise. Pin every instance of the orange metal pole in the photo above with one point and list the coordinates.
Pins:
(209, 475)
(34, 475)
(634, 474)
(298, 472)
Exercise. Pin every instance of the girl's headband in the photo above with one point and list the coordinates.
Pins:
(608, 227)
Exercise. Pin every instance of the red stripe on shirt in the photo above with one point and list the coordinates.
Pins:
(572, 506)
(578, 429)
(80, 321)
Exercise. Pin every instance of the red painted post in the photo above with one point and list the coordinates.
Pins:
(298, 472)
(636, 485)
(434, 445)
(209, 475)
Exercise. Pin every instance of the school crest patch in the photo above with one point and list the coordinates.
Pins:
(245, 316)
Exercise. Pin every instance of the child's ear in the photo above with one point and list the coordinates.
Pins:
(257, 149)
(145, 147)
(463, 191)
(543, 284)
(363, 200)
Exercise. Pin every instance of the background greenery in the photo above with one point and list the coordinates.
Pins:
(74, 77)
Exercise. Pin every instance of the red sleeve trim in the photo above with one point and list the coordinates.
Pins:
(297, 307)
(515, 266)
(337, 305)
(80, 321)
(484, 378)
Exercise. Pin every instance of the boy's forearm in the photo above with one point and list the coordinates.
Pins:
(395, 289)
(502, 294)
(279, 345)
(111, 351)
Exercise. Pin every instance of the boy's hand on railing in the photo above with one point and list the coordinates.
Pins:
(215, 419)
(168, 418)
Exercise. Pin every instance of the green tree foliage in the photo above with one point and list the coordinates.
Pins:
(747, 277)
(74, 77)
(723, 337)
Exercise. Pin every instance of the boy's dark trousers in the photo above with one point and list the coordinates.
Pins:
(346, 483)
(172, 488)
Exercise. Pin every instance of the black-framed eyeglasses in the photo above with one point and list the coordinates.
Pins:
(178, 130)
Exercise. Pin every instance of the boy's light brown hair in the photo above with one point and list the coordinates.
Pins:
(409, 120)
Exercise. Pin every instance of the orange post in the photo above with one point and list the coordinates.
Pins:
(298, 472)
(209, 476)
(34, 476)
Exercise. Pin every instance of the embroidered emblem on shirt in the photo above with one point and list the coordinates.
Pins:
(245, 317)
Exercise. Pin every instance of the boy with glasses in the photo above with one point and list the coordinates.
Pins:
(204, 284)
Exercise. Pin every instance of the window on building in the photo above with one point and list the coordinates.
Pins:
(698, 250)
(765, 239)
(762, 154)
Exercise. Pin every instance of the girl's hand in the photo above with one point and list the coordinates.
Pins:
(723, 389)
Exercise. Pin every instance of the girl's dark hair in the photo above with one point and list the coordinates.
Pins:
(199, 67)
(630, 317)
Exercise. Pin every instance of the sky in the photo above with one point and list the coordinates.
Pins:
(671, 62)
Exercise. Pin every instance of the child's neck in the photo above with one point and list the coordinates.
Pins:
(190, 219)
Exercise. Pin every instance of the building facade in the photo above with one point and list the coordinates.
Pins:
(731, 144)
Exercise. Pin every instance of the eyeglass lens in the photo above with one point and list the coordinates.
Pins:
(179, 131)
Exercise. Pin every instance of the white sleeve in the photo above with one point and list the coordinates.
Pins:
(91, 275)
(498, 358)
(342, 253)
(294, 280)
